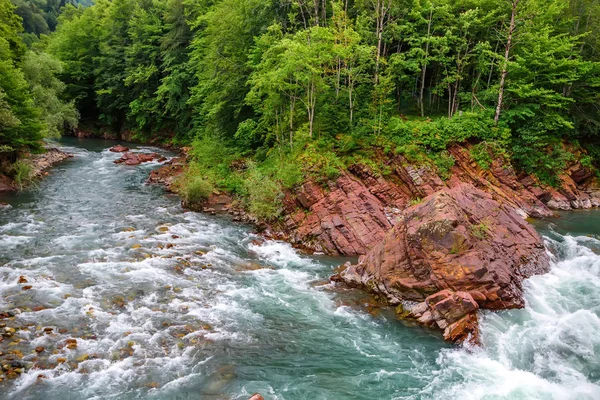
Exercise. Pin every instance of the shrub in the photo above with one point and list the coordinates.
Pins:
(444, 163)
(264, 195)
(194, 188)
(22, 173)
(480, 231)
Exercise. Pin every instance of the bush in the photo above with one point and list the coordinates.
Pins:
(444, 163)
(264, 195)
(22, 173)
(438, 134)
(485, 152)
(194, 188)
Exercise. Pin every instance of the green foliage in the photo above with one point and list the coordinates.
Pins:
(480, 231)
(444, 163)
(416, 201)
(194, 188)
(264, 195)
(22, 173)
(41, 72)
(305, 89)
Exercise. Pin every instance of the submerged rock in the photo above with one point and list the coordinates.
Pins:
(137, 158)
(456, 251)
(119, 149)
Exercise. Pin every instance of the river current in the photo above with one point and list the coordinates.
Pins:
(125, 295)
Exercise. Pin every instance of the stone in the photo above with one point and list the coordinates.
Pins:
(256, 396)
(119, 149)
(133, 159)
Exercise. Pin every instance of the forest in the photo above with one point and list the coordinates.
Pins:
(268, 92)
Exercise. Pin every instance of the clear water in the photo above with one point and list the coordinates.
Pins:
(168, 304)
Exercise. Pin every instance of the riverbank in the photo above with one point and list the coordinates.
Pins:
(31, 168)
(362, 212)
(132, 296)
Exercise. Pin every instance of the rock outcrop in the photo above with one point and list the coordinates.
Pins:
(42, 162)
(349, 215)
(138, 158)
(168, 173)
(457, 239)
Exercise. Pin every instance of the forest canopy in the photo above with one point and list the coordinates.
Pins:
(280, 81)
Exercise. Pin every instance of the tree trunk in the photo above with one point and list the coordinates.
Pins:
(424, 69)
(511, 30)
(381, 11)
(292, 106)
(312, 99)
(350, 99)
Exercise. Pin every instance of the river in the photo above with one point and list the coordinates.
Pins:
(168, 304)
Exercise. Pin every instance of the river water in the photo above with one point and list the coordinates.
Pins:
(168, 304)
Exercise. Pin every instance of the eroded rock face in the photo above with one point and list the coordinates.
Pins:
(351, 214)
(455, 313)
(458, 240)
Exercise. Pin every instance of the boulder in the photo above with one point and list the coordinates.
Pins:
(455, 313)
(460, 240)
(137, 158)
(119, 149)
(168, 173)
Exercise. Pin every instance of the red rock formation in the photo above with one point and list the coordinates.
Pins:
(119, 149)
(168, 173)
(137, 158)
(350, 215)
(460, 240)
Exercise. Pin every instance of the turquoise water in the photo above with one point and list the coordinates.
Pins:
(169, 304)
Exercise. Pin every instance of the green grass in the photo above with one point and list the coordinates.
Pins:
(22, 173)
(194, 188)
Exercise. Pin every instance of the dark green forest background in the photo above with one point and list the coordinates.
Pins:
(287, 88)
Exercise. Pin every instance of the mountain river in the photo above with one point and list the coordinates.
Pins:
(116, 292)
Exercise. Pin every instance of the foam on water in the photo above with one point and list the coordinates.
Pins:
(167, 304)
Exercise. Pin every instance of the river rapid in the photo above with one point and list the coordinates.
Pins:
(125, 295)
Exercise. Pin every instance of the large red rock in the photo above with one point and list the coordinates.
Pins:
(460, 240)
(137, 158)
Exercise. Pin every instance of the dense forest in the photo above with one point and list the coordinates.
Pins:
(296, 87)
